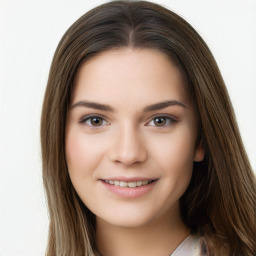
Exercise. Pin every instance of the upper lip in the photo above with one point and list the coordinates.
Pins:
(129, 179)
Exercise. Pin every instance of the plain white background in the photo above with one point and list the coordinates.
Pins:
(30, 32)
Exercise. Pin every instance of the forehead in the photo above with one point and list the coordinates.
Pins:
(129, 74)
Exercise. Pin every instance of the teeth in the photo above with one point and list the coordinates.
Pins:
(131, 184)
(139, 183)
(122, 184)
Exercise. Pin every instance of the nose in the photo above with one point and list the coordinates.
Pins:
(128, 147)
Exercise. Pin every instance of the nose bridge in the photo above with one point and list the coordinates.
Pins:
(128, 147)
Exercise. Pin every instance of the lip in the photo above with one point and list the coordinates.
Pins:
(126, 192)
(129, 179)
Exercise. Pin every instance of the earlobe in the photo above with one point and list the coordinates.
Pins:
(199, 153)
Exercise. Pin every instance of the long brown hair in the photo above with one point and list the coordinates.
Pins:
(220, 199)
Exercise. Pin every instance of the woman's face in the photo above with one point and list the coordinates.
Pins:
(130, 137)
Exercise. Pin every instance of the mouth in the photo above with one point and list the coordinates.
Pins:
(129, 188)
(129, 184)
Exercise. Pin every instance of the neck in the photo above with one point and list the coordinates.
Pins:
(160, 237)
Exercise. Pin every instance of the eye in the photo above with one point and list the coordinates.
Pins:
(94, 121)
(161, 121)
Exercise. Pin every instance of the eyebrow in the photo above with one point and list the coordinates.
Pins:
(94, 105)
(153, 107)
(164, 104)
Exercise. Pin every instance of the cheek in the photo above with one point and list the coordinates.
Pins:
(175, 153)
(82, 154)
(75, 151)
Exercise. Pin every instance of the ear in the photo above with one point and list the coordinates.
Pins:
(199, 153)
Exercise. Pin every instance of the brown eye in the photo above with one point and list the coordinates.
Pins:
(94, 121)
(160, 121)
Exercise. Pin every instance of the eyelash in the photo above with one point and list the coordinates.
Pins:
(170, 120)
(89, 118)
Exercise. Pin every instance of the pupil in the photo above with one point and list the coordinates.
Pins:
(96, 121)
(160, 121)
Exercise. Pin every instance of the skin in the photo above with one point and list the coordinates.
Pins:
(127, 140)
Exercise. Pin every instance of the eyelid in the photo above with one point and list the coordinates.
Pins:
(173, 120)
(85, 118)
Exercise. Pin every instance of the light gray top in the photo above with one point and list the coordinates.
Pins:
(193, 245)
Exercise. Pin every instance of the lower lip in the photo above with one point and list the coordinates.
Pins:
(127, 192)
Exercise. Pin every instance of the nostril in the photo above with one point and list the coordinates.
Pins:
(127, 147)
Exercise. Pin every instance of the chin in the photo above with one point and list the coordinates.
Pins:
(128, 218)
(127, 223)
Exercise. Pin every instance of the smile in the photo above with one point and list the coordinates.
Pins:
(130, 184)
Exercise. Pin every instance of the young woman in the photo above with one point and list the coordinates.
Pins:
(140, 147)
